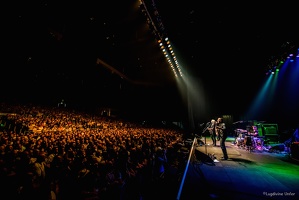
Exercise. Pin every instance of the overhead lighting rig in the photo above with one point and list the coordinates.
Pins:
(288, 53)
(155, 23)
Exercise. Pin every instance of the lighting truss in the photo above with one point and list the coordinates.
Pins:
(155, 22)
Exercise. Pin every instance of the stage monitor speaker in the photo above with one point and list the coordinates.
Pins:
(205, 158)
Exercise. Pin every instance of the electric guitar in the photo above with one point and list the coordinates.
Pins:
(219, 130)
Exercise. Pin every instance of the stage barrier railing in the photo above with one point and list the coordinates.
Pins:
(190, 158)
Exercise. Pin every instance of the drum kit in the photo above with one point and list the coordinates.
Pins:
(249, 140)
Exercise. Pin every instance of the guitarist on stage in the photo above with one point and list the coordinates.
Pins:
(221, 131)
(212, 130)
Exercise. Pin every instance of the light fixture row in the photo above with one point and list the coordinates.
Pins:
(163, 41)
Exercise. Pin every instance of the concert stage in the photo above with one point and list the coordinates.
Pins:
(256, 174)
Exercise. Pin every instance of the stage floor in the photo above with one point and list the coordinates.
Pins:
(256, 174)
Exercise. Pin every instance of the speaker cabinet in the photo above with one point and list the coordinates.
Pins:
(270, 132)
(270, 129)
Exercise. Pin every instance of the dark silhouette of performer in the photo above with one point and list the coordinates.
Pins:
(212, 130)
(221, 132)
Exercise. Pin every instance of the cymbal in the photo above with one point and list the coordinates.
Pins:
(241, 130)
(238, 122)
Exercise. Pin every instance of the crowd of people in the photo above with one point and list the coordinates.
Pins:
(56, 153)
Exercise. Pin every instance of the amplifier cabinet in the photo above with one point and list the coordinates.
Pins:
(270, 132)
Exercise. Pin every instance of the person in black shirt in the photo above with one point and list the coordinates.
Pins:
(221, 131)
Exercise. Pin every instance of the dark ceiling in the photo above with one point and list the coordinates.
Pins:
(105, 53)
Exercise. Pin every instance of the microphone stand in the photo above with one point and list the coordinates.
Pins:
(204, 130)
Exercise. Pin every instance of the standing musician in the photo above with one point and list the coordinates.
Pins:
(221, 131)
(212, 130)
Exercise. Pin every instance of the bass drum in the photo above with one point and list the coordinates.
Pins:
(240, 139)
